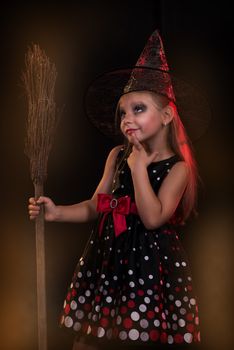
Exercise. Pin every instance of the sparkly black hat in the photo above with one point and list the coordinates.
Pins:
(151, 73)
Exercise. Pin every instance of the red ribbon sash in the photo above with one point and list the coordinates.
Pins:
(120, 207)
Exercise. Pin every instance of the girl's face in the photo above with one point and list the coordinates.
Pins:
(140, 114)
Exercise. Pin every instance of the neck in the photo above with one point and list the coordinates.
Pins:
(160, 146)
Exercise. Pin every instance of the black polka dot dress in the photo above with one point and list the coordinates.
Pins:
(134, 287)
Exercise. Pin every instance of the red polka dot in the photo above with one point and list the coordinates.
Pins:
(106, 311)
(163, 337)
(161, 306)
(97, 298)
(131, 304)
(190, 288)
(140, 292)
(74, 292)
(177, 289)
(115, 332)
(67, 309)
(189, 317)
(94, 330)
(178, 338)
(87, 307)
(85, 326)
(68, 296)
(104, 322)
(150, 314)
(111, 290)
(127, 323)
(123, 310)
(154, 335)
(190, 328)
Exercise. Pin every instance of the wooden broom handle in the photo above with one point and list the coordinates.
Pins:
(41, 274)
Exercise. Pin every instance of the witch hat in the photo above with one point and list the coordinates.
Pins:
(150, 73)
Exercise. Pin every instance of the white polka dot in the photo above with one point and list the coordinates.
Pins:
(170, 339)
(79, 314)
(81, 299)
(89, 330)
(73, 305)
(174, 327)
(178, 303)
(156, 309)
(68, 321)
(109, 333)
(156, 323)
(130, 272)
(135, 316)
(158, 178)
(79, 274)
(108, 299)
(144, 323)
(154, 171)
(177, 264)
(144, 336)
(179, 280)
(118, 320)
(82, 262)
(192, 301)
(183, 263)
(174, 317)
(124, 298)
(132, 295)
(188, 337)
(77, 326)
(168, 285)
(97, 308)
(131, 284)
(123, 335)
(112, 312)
(146, 257)
(147, 300)
(142, 308)
(100, 332)
(103, 275)
(115, 278)
(94, 318)
(163, 316)
(151, 277)
(87, 293)
(89, 273)
(165, 257)
(133, 334)
(171, 297)
(181, 322)
(182, 311)
(141, 281)
(149, 292)
(189, 278)
(107, 283)
(185, 299)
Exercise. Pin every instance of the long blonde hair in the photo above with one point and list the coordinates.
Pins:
(181, 145)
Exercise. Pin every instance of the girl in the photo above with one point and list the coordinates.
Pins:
(132, 285)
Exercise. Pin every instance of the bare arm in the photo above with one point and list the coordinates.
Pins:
(81, 212)
(156, 210)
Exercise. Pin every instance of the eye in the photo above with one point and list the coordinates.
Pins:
(121, 113)
(139, 108)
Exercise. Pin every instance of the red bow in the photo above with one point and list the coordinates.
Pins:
(119, 207)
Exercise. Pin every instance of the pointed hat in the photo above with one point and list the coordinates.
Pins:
(150, 73)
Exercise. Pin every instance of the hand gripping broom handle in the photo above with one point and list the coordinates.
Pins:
(41, 280)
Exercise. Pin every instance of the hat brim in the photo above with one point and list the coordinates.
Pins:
(104, 92)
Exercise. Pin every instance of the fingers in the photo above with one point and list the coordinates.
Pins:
(136, 143)
(34, 207)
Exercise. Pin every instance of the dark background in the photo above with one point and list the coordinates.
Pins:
(85, 38)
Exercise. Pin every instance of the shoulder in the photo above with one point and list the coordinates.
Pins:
(179, 170)
(113, 154)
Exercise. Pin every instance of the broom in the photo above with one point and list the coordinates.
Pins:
(39, 80)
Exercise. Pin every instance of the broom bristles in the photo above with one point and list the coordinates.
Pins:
(39, 80)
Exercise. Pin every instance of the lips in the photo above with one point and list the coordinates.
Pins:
(130, 131)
